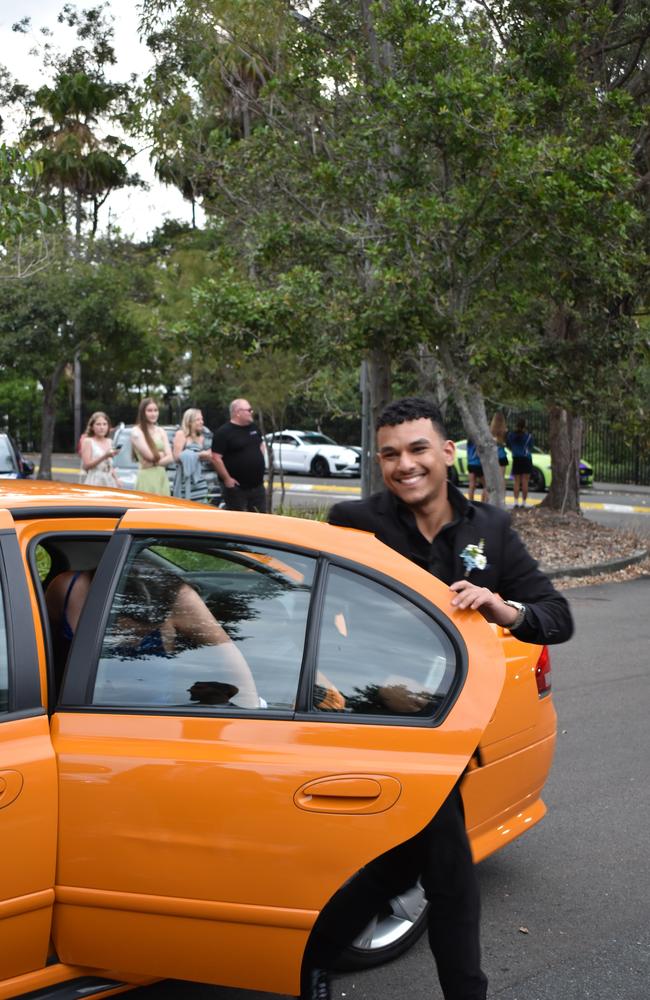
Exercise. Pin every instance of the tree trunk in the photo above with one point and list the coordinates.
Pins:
(471, 403)
(565, 440)
(50, 387)
(472, 409)
(379, 378)
(565, 433)
(429, 377)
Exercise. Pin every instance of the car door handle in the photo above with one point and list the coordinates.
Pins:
(11, 785)
(349, 793)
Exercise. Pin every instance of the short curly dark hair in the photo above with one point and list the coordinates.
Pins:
(411, 408)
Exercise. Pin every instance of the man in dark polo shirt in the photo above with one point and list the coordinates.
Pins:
(238, 457)
(473, 548)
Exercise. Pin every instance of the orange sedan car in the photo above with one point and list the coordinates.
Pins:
(210, 721)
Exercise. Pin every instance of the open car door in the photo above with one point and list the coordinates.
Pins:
(28, 778)
(254, 707)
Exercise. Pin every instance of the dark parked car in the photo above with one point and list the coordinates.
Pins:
(12, 463)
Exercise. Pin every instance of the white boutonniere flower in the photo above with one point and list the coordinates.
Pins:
(474, 557)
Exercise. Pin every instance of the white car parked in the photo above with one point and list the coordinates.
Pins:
(312, 453)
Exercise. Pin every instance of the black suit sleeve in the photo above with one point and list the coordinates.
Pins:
(342, 514)
(548, 617)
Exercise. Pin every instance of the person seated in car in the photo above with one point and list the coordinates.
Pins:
(159, 615)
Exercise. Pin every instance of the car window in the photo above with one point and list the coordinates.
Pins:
(315, 437)
(4, 663)
(194, 624)
(7, 457)
(381, 652)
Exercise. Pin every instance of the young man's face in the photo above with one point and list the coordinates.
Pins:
(414, 460)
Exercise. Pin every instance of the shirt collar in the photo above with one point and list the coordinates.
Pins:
(460, 505)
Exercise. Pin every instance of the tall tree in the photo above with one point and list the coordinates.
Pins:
(431, 190)
(55, 313)
(66, 118)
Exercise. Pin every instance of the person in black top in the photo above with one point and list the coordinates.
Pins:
(238, 457)
(472, 547)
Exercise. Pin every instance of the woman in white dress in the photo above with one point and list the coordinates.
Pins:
(97, 453)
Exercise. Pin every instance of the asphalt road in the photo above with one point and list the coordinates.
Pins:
(566, 908)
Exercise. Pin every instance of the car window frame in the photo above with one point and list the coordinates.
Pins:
(24, 695)
(39, 590)
(78, 683)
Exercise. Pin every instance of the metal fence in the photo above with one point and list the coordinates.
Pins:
(616, 457)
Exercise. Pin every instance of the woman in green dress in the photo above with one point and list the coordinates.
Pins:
(151, 450)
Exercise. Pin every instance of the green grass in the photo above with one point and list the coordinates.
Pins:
(308, 513)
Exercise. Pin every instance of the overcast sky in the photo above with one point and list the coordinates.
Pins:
(136, 212)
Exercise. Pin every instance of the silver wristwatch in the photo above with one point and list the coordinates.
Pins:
(521, 614)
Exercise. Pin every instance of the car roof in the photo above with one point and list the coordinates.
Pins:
(39, 493)
(43, 498)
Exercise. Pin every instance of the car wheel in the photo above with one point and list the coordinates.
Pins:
(390, 934)
(536, 481)
(320, 467)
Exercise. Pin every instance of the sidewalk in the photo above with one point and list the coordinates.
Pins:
(618, 488)
(598, 487)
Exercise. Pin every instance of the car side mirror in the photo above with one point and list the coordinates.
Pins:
(27, 467)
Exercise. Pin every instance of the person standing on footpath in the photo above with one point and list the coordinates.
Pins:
(97, 452)
(499, 431)
(150, 447)
(238, 457)
(520, 441)
(475, 474)
(425, 518)
(188, 449)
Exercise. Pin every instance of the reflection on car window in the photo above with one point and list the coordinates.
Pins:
(4, 663)
(43, 562)
(194, 623)
(383, 654)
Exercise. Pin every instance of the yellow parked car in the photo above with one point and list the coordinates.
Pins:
(198, 746)
(540, 477)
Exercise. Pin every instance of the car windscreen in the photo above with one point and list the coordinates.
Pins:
(313, 437)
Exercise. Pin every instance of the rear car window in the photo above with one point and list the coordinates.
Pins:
(194, 624)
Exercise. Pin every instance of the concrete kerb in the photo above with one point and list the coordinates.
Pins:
(597, 569)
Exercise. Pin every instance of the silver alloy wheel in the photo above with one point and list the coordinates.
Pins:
(390, 933)
(386, 929)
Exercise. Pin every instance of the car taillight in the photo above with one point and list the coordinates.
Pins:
(543, 672)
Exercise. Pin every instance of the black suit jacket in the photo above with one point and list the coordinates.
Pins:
(511, 571)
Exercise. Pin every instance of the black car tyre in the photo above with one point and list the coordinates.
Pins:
(320, 467)
(390, 934)
(536, 481)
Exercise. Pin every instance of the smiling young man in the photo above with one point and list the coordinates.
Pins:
(473, 548)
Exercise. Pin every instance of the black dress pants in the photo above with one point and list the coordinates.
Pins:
(440, 856)
(238, 498)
